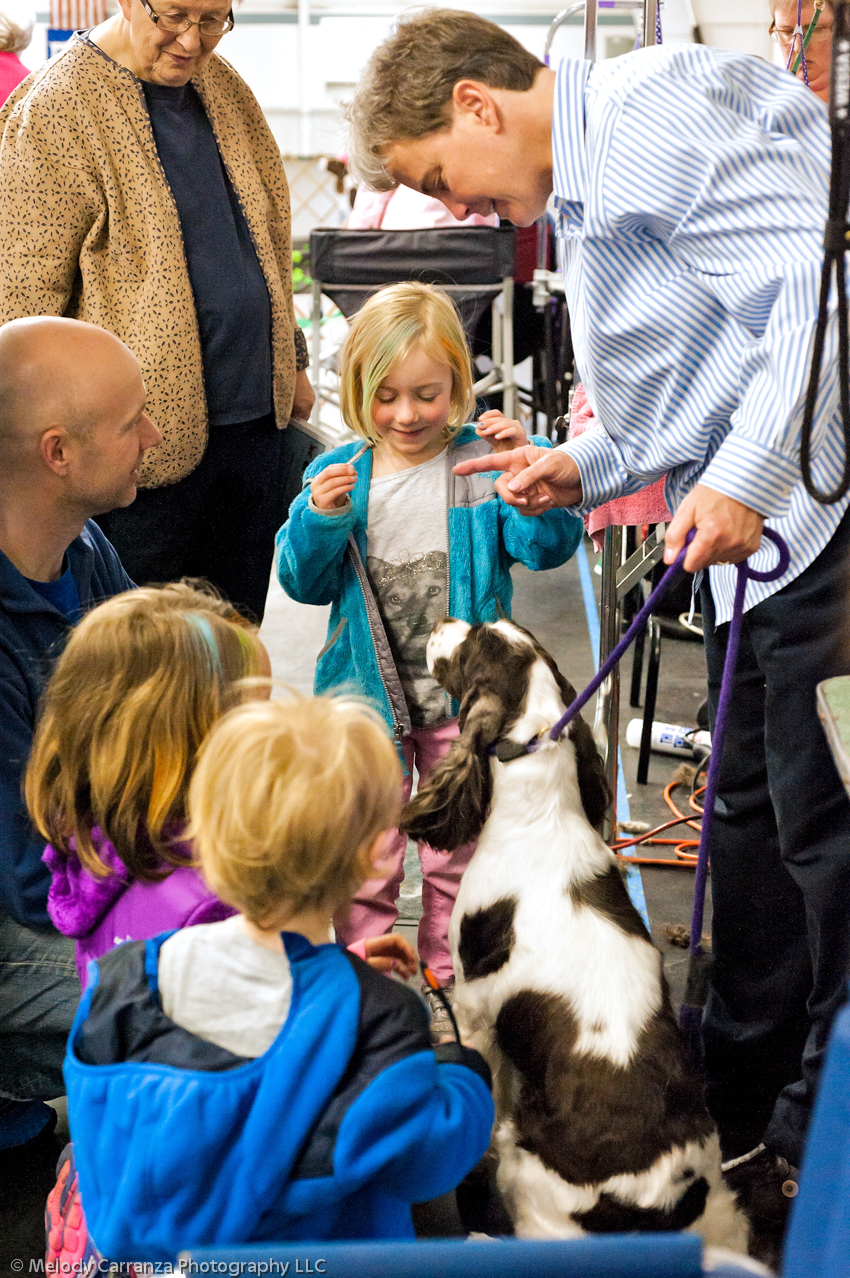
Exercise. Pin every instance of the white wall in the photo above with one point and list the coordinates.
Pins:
(264, 47)
(736, 24)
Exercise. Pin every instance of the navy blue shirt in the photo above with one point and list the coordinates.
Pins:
(231, 297)
(63, 594)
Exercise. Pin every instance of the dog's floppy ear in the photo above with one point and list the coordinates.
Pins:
(590, 770)
(451, 806)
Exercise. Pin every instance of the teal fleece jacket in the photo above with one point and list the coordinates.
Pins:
(486, 536)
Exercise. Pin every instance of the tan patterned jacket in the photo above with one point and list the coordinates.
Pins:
(89, 229)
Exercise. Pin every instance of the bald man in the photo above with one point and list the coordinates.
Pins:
(73, 432)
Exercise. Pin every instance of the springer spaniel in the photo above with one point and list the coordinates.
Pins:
(601, 1123)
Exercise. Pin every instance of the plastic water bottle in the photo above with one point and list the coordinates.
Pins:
(668, 738)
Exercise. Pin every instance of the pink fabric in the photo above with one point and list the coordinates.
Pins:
(12, 72)
(405, 210)
(649, 506)
(373, 910)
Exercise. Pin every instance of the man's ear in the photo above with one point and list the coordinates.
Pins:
(54, 448)
(475, 100)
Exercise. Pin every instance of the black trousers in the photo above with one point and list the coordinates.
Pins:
(780, 861)
(220, 521)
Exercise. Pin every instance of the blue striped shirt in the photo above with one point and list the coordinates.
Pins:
(691, 191)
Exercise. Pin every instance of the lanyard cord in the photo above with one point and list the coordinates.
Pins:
(801, 56)
(835, 246)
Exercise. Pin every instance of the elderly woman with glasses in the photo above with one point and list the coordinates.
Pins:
(816, 23)
(141, 189)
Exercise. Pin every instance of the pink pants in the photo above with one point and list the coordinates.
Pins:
(373, 909)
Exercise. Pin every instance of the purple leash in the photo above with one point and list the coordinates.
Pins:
(700, 962)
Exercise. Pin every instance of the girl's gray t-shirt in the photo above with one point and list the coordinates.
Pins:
(407, 540)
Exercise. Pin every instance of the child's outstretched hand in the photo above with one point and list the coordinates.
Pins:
(502, 432)
(391, 953)
(333, 485)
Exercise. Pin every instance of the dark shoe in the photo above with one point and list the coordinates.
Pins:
(442, 1030)
(21, 1121)
(764, 1184)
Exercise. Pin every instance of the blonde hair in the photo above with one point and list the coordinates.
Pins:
(392, 323)
(142, 680)
(14, 38)
(406, 90)
(287, 800)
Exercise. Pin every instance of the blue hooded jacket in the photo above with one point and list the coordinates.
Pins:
(347, 1119)
(485, 536)
(32, 634)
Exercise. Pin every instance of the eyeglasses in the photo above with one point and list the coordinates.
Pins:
(209, 27)
(785, 35)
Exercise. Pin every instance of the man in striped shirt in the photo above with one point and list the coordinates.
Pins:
(690, 196)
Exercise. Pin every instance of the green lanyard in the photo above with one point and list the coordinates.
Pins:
(807, 37)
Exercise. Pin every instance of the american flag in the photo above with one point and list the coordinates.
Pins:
(76, 15)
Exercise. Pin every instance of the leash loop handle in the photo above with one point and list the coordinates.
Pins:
(773, 574)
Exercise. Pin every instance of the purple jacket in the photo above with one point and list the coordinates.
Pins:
(101, 913)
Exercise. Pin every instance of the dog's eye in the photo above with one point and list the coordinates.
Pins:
(433, 590)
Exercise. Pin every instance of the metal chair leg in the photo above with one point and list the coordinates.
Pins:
(652, 669)
(637, 669)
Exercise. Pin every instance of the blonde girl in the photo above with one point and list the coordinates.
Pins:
(141, 682)
(394, 540)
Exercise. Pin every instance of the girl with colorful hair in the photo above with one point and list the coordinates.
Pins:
(142, 680)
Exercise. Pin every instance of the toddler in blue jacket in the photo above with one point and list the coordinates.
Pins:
(395, 541)
(249, 1080)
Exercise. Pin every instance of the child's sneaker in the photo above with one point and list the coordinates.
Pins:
(69, 1247)
(442, 1030)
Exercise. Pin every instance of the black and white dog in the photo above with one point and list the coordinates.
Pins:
(601, 1124)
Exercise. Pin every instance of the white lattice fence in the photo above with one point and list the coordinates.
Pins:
(314, 194)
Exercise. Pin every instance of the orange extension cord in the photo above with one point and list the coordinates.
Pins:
(683, 859)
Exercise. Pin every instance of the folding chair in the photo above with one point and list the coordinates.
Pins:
(474, 264)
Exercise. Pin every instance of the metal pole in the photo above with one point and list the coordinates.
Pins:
(316, 345)
(650, 17)
(305, 141)
(590, 31)
(508, 379)
(606, 727)
(608, 701)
